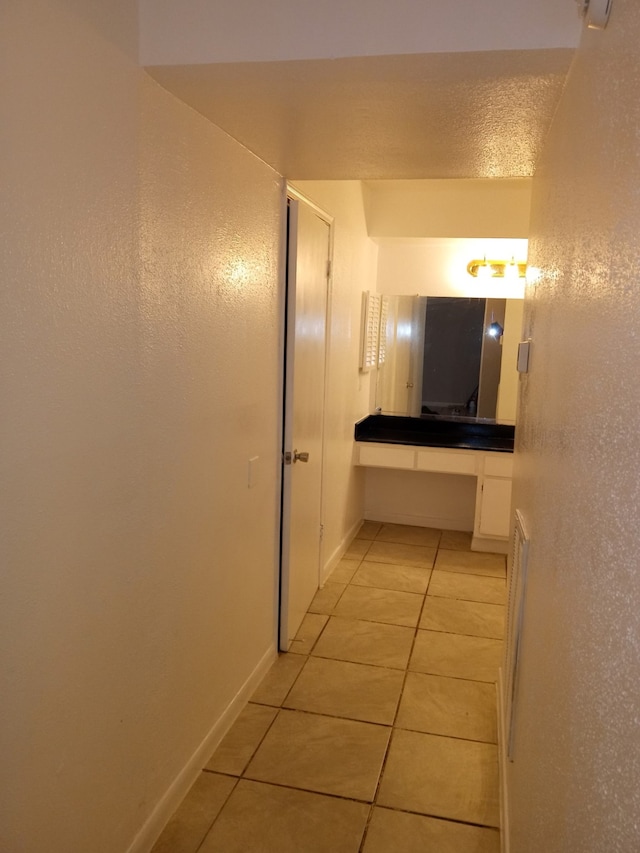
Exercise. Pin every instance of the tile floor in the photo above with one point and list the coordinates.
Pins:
(377, 731)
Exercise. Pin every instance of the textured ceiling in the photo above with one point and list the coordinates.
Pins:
(447, 115)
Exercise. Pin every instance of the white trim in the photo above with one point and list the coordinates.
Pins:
(287, 336)
(493, 546)
(178, 789)
(287, 345)
(505, 844)
(282, 311)
(339, 552)
(292, 192)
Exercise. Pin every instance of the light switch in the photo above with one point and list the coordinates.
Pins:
(523, 356)
(252, 471)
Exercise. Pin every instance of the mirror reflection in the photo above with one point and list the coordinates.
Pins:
(448, 357)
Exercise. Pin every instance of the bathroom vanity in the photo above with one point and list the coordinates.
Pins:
(458, 447)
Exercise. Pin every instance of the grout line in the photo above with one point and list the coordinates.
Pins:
(460, 634)
(447, 737)
(367, 824)
(397, 711)
(220, 810)
(441, 817)
(361, 663)
(452, 677)
(343, 797)
(335, 717)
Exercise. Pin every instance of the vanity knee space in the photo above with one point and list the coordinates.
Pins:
(492, 472)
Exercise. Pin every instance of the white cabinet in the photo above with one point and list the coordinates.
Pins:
(493, 471)
(494, 513)
(446, 461)
(493, 499)
(386, 456)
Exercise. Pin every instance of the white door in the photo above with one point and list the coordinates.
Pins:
(307, 281)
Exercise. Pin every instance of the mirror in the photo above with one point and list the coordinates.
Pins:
(446, 356)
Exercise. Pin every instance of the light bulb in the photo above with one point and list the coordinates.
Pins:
(485, 270)
(511, 271)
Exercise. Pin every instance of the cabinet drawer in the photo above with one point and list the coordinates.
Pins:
(386, 457)
(446, 462)
(499, 466)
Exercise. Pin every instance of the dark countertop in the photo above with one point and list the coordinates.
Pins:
(436, 432)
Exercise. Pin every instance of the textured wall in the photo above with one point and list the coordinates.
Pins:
(347, 391)
(139, 373)
(575, 783)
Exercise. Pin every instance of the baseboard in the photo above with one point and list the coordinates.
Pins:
(493, 546)
(339, 552)
(416, 520)
(505, 845)
(159, 817)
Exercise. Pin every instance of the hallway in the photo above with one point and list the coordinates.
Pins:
(377, 731)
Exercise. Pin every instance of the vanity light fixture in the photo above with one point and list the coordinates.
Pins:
(482, 268)
(511, 272)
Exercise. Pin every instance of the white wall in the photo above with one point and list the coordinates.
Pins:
(457, 208)
(178, 32)
(139, 373)
(443, 501)
(348, 390)
(575, 782)
(438, 267)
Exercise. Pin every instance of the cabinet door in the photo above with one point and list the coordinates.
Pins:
(495, 507)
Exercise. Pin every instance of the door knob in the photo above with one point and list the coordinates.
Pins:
(302, 456)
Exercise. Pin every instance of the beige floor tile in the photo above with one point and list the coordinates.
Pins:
(449, 706)
(442, 777)
(242, 740)
(357, 549)
(352, 690)
(418, 556)
(410, 833)
(475, 618)
(406, 534)
(263, 818)
(365, 642)
(380, 605)
(369, 530)
(322, 754)
(326, 598)
(344, 571)
(457, 656)
(308, 633)
(279, 680)
(386, 576)
(191, 822)
(472, 563)
(468, 587)
(456, 540)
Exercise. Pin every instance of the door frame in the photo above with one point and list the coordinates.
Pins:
(287, 338)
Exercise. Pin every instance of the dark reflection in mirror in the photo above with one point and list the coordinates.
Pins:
(438, 356)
